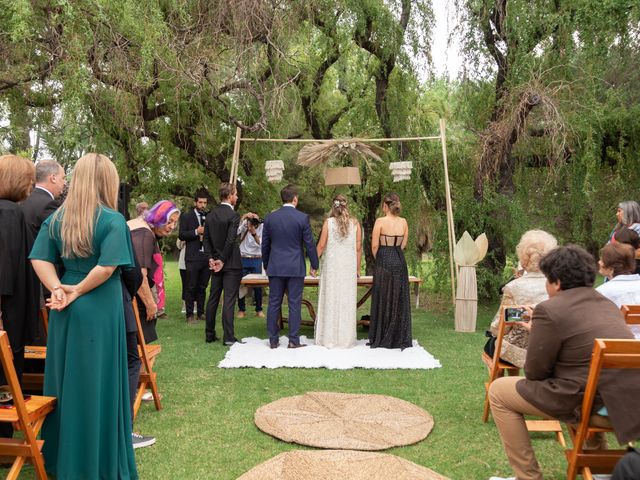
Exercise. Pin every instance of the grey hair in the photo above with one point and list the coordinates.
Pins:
(45, 168)
(630, 212)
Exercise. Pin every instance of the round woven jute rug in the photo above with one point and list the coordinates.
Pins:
(339, 465)
(344, 421)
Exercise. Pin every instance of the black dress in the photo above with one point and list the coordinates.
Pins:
(390, 324)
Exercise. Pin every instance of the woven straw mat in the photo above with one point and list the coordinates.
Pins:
(339, 465)
(344, 421)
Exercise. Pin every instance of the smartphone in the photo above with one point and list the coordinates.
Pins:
(513, 314)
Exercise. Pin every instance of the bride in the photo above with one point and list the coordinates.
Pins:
(341, 244)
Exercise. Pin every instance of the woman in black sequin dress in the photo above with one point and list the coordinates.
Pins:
(390, 325)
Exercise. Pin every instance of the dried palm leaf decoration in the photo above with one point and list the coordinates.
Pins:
(324, 153)
(316, 154)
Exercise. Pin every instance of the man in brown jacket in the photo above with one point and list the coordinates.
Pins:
(563, 330)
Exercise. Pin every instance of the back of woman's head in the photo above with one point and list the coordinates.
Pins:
(572, 265)
(619, 257)
(630, 212)
(94, 182)
(533, 245)
(628, 236)
(160, 213)
(17, 175)
(392, 201)
(340, 212)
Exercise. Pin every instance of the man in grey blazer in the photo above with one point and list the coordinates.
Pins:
(563, 330)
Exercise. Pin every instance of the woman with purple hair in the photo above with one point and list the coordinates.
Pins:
(158, 221)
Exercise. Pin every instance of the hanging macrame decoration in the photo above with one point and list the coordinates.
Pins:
(337, 151)
(274, 169)
(401, 170)
(467, 253)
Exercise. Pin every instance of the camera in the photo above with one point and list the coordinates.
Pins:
(255, 221)
(513, 314)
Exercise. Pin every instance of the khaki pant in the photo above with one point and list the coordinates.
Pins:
(508, 409)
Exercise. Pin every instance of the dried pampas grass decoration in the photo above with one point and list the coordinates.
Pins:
(322, 153)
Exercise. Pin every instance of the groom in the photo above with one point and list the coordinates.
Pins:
(284, 233)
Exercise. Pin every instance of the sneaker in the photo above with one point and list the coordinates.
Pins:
(260, 314)
(184, 308)
(140, 441)
(148, 396)
(241, 314)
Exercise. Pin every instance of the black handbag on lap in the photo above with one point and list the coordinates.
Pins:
(490, 346)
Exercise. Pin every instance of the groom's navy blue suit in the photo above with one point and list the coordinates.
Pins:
(285, 233)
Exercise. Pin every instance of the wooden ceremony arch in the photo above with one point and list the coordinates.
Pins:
(443, 140)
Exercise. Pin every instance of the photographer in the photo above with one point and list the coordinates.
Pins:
(250, 232)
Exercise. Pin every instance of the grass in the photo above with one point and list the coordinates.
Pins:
(206, 429)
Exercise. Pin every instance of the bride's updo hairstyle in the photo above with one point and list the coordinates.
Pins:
(340, 212)
(392, 201)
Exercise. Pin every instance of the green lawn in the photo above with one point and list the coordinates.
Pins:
(206, 429)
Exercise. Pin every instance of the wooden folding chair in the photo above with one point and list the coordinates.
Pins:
(25, 416)
(607, 353)
(631, 314)
(497, 368)
(148, 354)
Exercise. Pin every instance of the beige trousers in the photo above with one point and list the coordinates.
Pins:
(508, 409)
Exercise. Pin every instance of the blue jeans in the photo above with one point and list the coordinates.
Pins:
(251, 265)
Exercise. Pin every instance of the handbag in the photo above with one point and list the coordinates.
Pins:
(490, 346)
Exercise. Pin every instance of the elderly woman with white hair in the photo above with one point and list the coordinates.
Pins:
(528, 289)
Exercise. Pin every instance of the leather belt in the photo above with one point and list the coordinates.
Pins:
(252, 256)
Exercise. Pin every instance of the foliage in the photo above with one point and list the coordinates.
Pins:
(543, 125)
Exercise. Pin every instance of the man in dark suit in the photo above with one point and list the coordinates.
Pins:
(563, 330)
(284, 235)
(43, 200)
(197, 262)
(222, 250)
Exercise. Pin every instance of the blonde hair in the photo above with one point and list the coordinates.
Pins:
(95, 182)
(340, 212)
(534, 245)
(17, 175)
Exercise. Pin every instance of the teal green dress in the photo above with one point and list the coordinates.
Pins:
(88, 436)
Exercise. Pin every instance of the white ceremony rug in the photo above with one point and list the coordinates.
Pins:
(255, 353)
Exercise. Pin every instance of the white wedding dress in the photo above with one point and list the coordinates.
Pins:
(336, 319)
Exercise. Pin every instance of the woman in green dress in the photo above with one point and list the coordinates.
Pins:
(88, 436)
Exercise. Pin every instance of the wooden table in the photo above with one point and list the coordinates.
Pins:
(256, 280)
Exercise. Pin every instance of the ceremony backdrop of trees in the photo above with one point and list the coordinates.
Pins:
(543, 122)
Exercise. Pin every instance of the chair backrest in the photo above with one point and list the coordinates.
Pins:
(502, 326)
(6, 357)
(631, 314)
(140, 335)
(607, 354)
(44, 316)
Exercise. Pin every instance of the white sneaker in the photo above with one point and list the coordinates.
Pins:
(140, 441)
(184, 309)
(147, 397)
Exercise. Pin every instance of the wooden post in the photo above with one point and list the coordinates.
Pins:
(233, 175)
(450, 226)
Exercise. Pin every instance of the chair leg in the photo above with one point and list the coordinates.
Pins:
(14, 473)
(560, 438)
(154, 389)
(485, 413)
